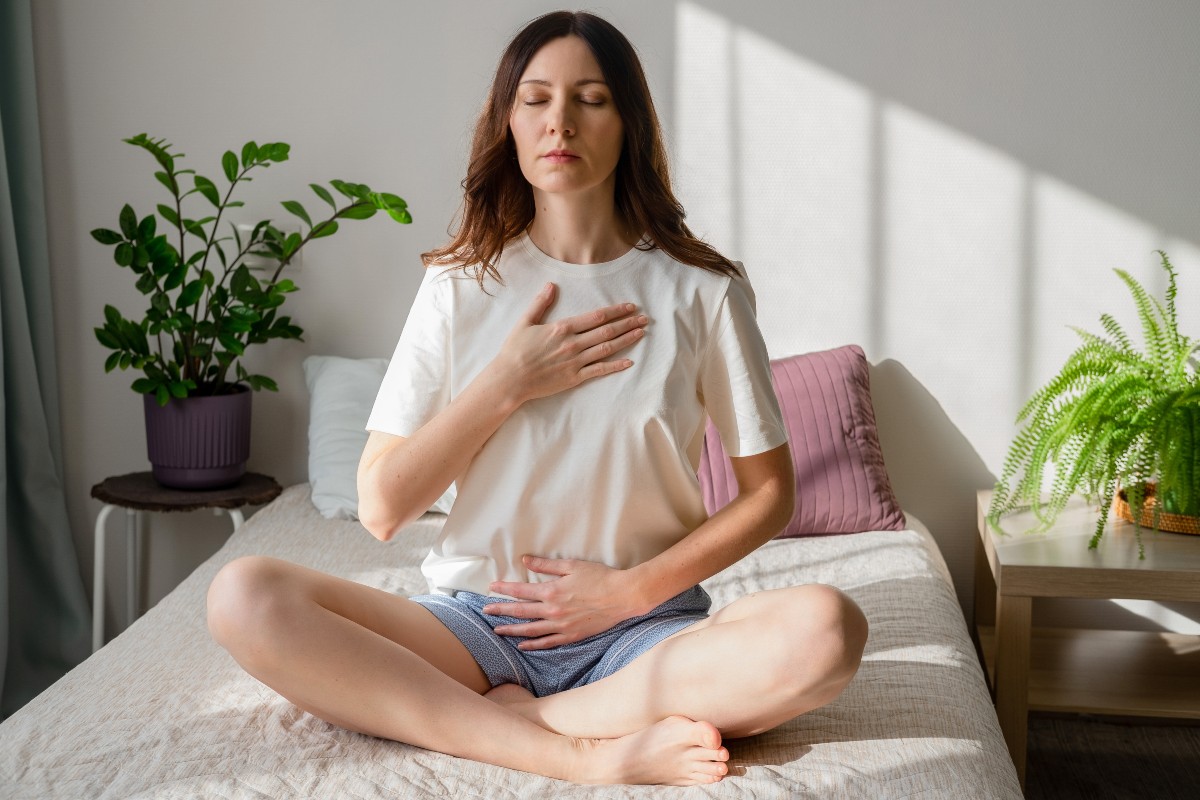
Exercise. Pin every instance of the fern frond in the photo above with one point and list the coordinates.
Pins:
(1156, 339)
(1117, 332)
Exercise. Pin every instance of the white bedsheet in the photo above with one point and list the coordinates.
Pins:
(162, 711)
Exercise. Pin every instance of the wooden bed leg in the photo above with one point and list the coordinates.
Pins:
(1013, 617)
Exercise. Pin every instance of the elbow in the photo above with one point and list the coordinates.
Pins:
(376, 516)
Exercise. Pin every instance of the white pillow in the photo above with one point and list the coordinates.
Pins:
(341, 392)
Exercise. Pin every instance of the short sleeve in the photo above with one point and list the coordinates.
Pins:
(735, 376)
(416, 385)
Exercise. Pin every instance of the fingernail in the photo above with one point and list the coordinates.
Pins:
(630, 306)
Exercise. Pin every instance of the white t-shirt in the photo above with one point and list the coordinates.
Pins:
(604, 471)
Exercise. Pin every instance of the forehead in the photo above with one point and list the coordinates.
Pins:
(567, 59)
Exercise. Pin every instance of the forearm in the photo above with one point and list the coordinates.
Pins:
(735, 531)
(401, 481)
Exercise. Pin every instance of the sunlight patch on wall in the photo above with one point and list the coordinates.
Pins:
(774, 172)
(951, 224)
(1080, 240)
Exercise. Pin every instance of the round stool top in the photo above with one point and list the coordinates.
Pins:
(139, 490)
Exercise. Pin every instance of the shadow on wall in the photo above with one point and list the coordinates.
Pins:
(934, 470)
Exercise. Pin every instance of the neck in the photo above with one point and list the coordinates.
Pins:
(580, 227)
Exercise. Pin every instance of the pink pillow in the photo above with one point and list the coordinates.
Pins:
(841, 483)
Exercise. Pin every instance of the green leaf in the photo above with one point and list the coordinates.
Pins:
(167, 181)
(111, 315)
(324, 194)
(146, 227)
(193, 227)
(343, 188)
(162, 395)
(286, 285)
(231, 343)
(229, 163)
(178, 389)
(144, 385)
(106, 338)
(190, 294)
(175, 278)
(362, 211)
(123, 254)
(141, 257)
(327, 228)
(114, 359)
(401, 215)
(106, 236)
(279, 151)
(298, 210)
(168, 214)
(392, 201)
(128, 222)
(146, 283)
(208, 189)
(249, 154)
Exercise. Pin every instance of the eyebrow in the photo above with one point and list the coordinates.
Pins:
(577, 83)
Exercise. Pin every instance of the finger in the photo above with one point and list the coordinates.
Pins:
(598, 317)
(608, 347)
(521, 591)
(518, 610)
(613, 331)
(598, 368)
(549, 566)
(526, 629)
(541, 302)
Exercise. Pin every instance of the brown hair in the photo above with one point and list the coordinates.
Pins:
(497, 199)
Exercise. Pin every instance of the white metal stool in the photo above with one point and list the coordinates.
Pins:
(137, 493)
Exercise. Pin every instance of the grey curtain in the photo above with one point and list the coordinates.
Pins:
(44, 625)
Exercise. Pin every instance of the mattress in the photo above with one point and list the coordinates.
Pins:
(162, 711)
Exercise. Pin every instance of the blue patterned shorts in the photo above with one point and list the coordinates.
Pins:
(567, 666)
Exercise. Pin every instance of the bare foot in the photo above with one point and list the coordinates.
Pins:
(676, 751)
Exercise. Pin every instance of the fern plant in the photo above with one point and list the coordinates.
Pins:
(1113, 417)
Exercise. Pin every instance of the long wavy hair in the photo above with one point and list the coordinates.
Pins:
(498, 200)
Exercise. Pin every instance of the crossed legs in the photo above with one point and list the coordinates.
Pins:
(379, 664)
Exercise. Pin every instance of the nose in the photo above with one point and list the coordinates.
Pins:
(558, 121)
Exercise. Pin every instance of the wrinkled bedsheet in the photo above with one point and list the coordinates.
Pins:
(162, 711)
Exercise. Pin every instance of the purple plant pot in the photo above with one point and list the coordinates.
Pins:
(199, 442)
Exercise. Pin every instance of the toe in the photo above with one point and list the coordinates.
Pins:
(707, 735)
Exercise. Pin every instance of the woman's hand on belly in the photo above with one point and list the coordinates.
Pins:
(585, 599)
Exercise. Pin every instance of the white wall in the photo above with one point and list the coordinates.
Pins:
(947, 184)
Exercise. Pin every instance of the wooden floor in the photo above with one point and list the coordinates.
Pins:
(1111, 758)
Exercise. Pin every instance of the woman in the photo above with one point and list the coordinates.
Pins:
(558, 363)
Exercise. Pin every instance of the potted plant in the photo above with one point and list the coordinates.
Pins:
(1115, 419)
(206, 307)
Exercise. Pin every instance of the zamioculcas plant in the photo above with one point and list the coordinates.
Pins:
(202, 314)
(1114, 418)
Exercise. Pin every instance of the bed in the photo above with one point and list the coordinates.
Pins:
(162, 711)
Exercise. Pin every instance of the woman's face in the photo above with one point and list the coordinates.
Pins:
(563, 103)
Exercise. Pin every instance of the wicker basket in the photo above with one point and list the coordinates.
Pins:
(1175, 523)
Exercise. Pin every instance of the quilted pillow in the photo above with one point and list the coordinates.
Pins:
(841, 483)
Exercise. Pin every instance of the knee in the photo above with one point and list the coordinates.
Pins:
(827, 630)
(245, 594)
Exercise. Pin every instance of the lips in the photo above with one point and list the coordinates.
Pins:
(557, 155)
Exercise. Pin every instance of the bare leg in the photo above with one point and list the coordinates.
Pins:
(382, 665)
(755, 664)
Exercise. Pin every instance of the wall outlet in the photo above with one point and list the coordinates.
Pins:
(263, 264)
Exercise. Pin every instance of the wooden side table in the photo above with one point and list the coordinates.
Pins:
(1136, 673)
(137, 493)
